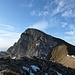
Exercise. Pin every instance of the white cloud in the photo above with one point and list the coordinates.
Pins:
(39, 13)
(64, 25)
(7, 42)
(70, 39)
(72, 27)
(6, 27)
(8, 36)
(70, 32)
(42, 25)
(65, 8)
(33, 13)
(59, 8)
(68, 13)
(26, 3)
(7, 39)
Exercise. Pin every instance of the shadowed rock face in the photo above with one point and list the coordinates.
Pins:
(34, 42)
(34, 66)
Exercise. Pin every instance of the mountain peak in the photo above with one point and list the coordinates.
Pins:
(34, 42)
(33, 31)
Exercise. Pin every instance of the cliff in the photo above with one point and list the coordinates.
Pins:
(35, 43)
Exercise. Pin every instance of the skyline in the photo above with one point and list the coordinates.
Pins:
(54, 17)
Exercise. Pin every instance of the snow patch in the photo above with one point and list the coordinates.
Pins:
(68, 55)
(51, 46)
(13, 57)
(37, 44)
(31, 73)
(46, 73)
(43, 53)
(71, 56)
(35, 68)
(25, 68)
(56, 71)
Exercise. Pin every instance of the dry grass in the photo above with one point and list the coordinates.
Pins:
(68, 61)
(59, 54)
(8, 72)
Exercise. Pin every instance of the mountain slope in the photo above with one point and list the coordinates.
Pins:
(34, 42)
(60, 54)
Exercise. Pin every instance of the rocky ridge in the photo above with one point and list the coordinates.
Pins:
(34, 66)
(34, 42)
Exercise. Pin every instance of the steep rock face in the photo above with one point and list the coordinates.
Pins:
(34, 42)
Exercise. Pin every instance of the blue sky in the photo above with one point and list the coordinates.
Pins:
(55, 17)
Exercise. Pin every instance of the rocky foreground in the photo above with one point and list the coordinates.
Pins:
(33, 66)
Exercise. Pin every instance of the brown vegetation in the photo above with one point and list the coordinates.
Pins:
(59, 54)
(8, 72)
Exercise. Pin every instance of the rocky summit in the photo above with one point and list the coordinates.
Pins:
(37, 53)
(35, 43)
